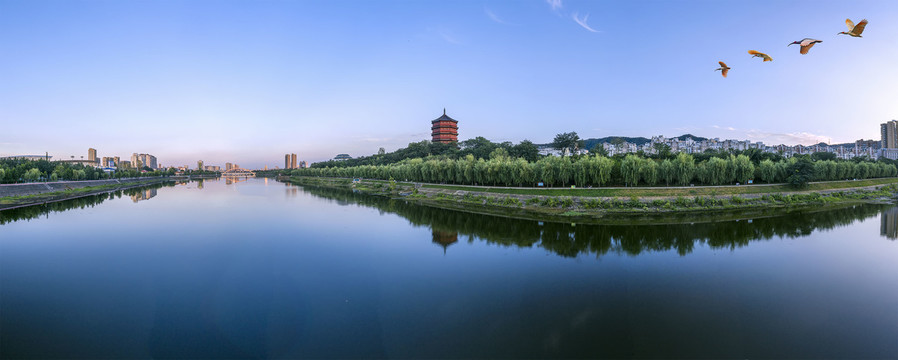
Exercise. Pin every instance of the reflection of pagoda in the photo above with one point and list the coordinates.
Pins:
(444, 238)
(444, 129)
(889, 223)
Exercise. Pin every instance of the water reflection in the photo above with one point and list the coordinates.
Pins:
(237, 179)
(32, 212)
(146, 194)
(889, 223)
(570, 240)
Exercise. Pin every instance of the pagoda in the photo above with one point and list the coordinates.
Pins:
(444, 129)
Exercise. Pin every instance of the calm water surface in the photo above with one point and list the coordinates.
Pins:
(262, 269)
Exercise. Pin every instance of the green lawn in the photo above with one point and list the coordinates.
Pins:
(656, 191)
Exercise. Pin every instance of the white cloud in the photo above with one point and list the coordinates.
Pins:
(772, 138)
(804, 138)
(494, 17)
(446, 35)
(582, 22)
(555, 4)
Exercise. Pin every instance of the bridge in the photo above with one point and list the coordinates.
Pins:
(238, 172)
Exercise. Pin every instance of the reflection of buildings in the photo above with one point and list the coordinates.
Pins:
(889, 223)
(235, 179)
(444, 238)
(143, 195)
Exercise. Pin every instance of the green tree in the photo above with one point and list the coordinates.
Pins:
(629, 169)
(570, 141)
(684, 169)
(480, 147)
(526, 150)
(717, 170)
(800, 173)
(768, 171)
(32, 174)
(745, 170)
(499, 153)
(649, 171)
(819, 156)
(667, 172)
(599, 149)
(662, 151)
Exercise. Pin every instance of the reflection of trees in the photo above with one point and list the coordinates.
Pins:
(32, 212)
(573, 240)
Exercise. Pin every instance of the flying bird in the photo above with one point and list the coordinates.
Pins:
(723, 68)
(756, 53)
(854, 30)
(805, 44)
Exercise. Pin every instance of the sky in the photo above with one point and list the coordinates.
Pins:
(248, 81)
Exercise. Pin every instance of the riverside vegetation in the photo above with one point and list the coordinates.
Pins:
(576, 207)
(597, 171)
(512, 179)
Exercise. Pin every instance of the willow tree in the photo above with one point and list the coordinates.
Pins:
(667, 172)
(629, 169)
(768, 170)
(745, 170)
(717, 171)
(685, 168)
(648, 170)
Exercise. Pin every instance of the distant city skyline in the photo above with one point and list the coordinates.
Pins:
(246, 82)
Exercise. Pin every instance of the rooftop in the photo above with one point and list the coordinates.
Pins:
(444, 117)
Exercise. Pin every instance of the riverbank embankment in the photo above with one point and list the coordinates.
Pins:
(576, 205)
(20, 195)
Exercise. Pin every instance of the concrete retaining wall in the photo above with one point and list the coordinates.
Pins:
(40, 188)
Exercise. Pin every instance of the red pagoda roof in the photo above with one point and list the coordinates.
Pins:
(444, 118)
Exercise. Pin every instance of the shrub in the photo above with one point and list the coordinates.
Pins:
(550, 202)
(682, 202)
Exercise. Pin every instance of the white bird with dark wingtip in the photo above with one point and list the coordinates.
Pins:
(854, 30)
(805, 44)
(724, 69)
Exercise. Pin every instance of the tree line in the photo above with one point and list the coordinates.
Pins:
(23, 170)
(502, 169)
(479, 147)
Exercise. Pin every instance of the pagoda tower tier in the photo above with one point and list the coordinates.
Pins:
(444, 129)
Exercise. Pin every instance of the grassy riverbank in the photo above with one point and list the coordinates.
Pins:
(625, 204)
(11, 202)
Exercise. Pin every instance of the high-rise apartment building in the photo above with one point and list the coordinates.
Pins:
(889, 133)
(92, 155)
(117, 160)
(289, 161)
(135, 158)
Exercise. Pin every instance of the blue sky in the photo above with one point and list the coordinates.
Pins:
(247, 81)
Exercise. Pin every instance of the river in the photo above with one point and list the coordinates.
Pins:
(257, 268)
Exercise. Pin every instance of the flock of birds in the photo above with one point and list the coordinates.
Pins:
(806, 44)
